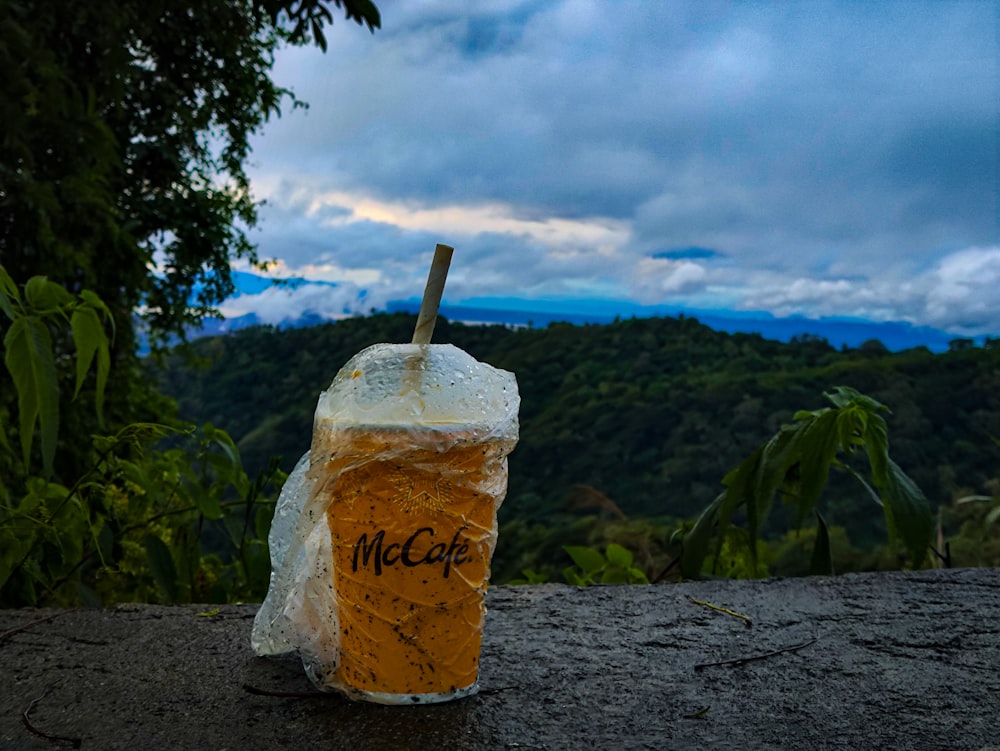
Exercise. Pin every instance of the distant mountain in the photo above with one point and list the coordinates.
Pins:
(896, 336)
(839, 332)
(650, 413)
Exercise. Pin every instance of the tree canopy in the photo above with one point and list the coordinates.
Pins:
(124, 127)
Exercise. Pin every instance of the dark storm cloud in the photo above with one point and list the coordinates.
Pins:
(826, 150)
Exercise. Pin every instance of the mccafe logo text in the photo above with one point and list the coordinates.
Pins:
(407, 553)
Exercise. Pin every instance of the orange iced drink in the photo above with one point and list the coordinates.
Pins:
(383, 534)
(412, 521)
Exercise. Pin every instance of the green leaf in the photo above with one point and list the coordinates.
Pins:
(907, 514)
(227, 463)
(822, 556)
(95, 302)
(876, 438)
(615, 575)
(819, 444)
(637, 576)
(695, 545)
(619, 556)
(588, 559)
(573, 577)
(534, 577)
(258, 565)
(91, 341)
(740, 491)
(262, 521)
(9, 296)
(31, 364)
(204, 500)
(45, 296)
(161, 565)
(15, 543)
(778, 455)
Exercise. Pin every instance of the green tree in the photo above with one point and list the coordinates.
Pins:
(124, 127)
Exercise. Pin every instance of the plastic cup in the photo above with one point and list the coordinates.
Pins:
(408, 464)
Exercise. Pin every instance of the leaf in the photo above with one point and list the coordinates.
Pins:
(70, 522)
(318, 35)
(778, 456)
(161, 565)
(204, 500)
(588, 559)
(262, 521)
(907, 514)
(97, 304)
(819, 445)
(32, 366)
(822, 556)
(695, 545)
(90, 339)
(534, 577)
(9, 295)
(228, 464)
(876, 438)
(740, 491)
(615, 575)
(618, 555)
(209, 613)
(574, 578)
(15, 543)
(45, 296)
(637, 576)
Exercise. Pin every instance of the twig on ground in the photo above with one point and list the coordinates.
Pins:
(26, 719)
(4, 635)
(744, 660)
(727, 611)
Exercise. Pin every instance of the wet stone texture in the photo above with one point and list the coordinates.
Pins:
(875, 661)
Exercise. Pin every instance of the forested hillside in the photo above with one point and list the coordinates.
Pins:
(639, 419)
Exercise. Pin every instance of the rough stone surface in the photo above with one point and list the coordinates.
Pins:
(891, 661)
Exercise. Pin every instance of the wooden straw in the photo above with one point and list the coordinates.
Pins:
(432, 294)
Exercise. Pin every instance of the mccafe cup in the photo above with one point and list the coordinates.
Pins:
(383, 536)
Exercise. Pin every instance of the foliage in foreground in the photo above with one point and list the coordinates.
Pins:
(125, 126)
(178, 523)
(796, 464)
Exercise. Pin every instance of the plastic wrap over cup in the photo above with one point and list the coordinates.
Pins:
(383, 534)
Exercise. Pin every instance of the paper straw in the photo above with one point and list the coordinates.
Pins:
(432, 294)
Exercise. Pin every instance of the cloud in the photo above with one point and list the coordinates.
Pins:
(958, 294)
(659, 277)
(835, 158)
(278, 305)
(962, 290)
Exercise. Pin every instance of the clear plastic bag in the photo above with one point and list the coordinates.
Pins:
(383, 534)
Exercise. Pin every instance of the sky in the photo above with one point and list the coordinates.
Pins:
(795, 158)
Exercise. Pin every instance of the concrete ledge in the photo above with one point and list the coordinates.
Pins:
(878, 661)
